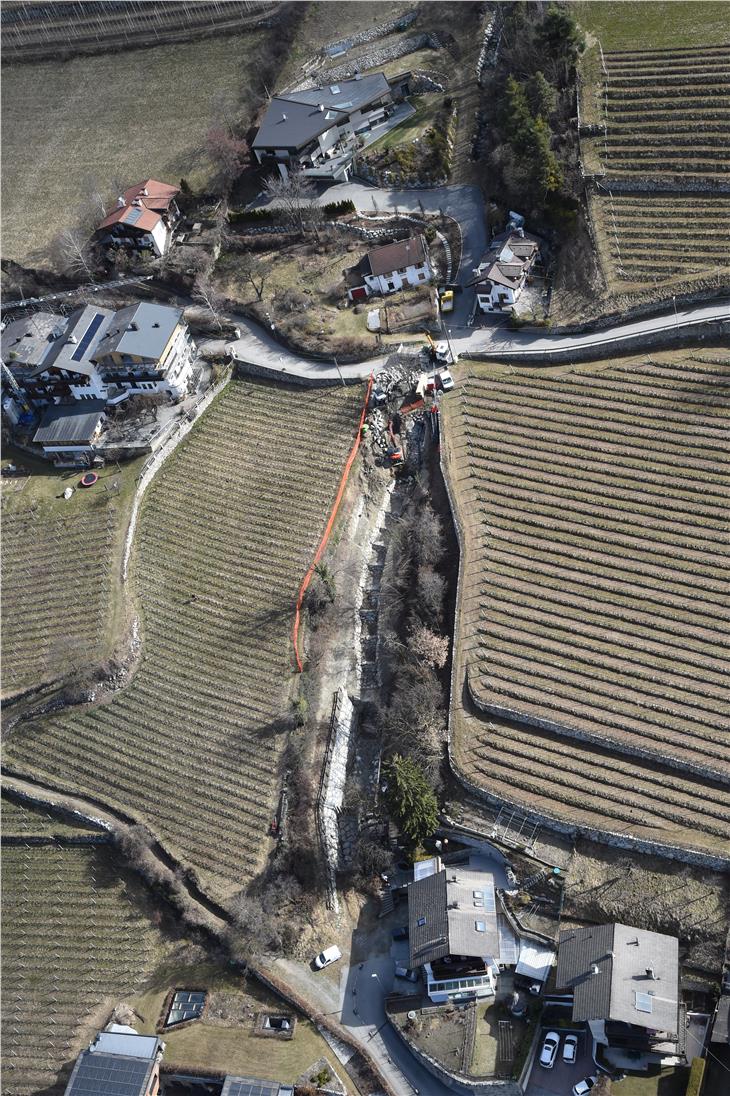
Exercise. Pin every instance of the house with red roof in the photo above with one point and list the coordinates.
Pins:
(144, 218)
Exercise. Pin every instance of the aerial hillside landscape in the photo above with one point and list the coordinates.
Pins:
(364, 382)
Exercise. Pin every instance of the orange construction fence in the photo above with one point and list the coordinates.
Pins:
(328, 530)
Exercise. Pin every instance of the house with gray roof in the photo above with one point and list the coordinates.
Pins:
(98, 354)
(119, 1062)
(504, 269)
(625, 985)
(316, 131)
(453, 929)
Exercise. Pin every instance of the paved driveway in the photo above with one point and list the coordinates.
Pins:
(559, 1080)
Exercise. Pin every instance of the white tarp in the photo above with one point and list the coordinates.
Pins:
(534, 962)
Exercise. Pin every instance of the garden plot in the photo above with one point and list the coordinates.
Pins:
(74, 939)
(193, 746)
(594, 597)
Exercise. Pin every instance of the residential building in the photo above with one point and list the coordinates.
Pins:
(144, 219)
(68, 431)
(389, 268)
(119, 1062)
(453, 931)
(625, 986)
(96, 353)
(504, 269)
(316, 131)
(533, 965)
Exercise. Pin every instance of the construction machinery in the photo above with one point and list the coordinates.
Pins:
(440, 351)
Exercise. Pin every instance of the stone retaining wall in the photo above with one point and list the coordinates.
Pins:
(457, 1081)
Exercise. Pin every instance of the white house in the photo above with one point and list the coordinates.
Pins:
(453, 930)
(502, 273)
(316, 131)
(389, 268)
(144, 218)
(98, 354)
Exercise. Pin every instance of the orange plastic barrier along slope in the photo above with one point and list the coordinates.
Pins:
(330, 523)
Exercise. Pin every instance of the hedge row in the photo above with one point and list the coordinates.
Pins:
(332, 209)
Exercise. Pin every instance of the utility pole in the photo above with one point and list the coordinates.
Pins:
(339, 371)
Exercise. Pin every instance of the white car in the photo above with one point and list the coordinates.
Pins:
(549, 1051)
(446, 381)
(584, 1086)
(570, 1049)
(329, 955)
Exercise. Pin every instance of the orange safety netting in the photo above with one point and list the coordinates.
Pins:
(328, 530)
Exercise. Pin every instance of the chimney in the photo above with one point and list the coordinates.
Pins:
(283, 117)
(650, 973)
(321, 107)
(145, 191)
(595, 969)
(120, 202)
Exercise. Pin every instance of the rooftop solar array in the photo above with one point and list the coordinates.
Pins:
(109, 1075)
(186, 1005)
(91, 330)
(133, 216)
(249, 1086)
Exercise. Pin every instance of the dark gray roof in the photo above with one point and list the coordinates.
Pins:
(109, 1075)
(428, 922)
(142, 330)
(25, 342)
(74, 350)
(720, 1029)
(250, 1086)
(295, 119)
(348, 95)
(73, 423)
(607, 967)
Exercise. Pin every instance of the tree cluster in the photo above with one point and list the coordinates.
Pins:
(532, 93)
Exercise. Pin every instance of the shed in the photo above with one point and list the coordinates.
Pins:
(534, 963)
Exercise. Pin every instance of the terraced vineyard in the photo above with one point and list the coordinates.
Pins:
(227, 531)
(73, 939)
(56, 589)
(664, 117)
(594, 606)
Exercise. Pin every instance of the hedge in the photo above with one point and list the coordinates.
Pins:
(332, 209)
(696, 1077)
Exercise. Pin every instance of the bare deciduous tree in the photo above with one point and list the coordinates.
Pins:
(206, 295)
(431, 590)
(70, 253)
(428, 537)
(429, 646)
(230, 155)
(293, 196)
(254, 272)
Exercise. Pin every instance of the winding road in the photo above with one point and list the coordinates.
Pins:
(466, 205)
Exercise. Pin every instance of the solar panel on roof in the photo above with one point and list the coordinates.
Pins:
(109, 1075)
(91, 330)
(134, 215)
(490, 904)
(250, 1087)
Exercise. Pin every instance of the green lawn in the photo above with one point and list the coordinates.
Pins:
(636, 24)
(427, 109)
(670, 1082)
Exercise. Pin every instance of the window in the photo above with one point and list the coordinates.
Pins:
(421, 276)
(421, 922)
(480, 926)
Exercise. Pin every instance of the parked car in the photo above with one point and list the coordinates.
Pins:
(400, 933)
(404, 972)
(445, 380)
(570, 1049)
(447, 300)
(329, 955)
(549, 1051)
(584, 1086)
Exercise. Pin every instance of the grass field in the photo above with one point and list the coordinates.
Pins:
(226, 533)
(594, 600)
(224, 1038)
(120, 116)
(643, 24)
(62, 603)
(75, 943)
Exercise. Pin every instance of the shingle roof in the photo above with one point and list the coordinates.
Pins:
(142, 330)
(295, 119)
(428, 922)
(607, 967)
(395, 256)
(70, 424)
(26, 341)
